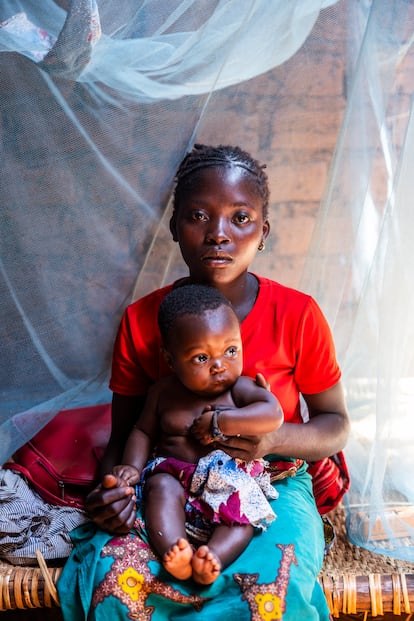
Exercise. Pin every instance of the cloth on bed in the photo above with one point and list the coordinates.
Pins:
(28, 523)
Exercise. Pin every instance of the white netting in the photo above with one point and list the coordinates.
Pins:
(98, 106)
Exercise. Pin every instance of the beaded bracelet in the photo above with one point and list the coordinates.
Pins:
(216, 432)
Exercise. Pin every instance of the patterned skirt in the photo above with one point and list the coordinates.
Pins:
(120, 578)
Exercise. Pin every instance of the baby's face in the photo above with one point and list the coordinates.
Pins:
(206, 351)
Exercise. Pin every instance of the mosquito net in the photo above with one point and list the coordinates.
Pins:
(100, 100)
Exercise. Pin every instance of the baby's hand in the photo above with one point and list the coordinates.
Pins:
(127, 473)
(201, 426)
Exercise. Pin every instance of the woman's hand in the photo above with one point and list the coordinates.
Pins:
(246, 448)
(324, 434)
(251, 447)
(111, 505)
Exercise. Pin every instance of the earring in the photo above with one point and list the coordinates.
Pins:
(261, 246)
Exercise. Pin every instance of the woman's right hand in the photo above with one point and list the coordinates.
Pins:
(111, 505)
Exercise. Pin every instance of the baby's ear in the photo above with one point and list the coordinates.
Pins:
(167, 357)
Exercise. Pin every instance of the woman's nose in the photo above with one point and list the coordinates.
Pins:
(218, 233)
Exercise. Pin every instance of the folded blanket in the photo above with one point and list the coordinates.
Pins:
(28, 523)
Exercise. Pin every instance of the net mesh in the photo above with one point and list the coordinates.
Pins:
(98, 107)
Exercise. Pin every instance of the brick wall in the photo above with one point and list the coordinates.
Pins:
(290, 118)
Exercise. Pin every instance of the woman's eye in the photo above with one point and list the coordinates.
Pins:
(199, 216)
(231, 352)
(242, 218)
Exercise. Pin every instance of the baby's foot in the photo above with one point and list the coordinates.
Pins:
(206, 566)
(177, 561)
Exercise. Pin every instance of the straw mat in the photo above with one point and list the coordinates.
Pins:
(356, 580)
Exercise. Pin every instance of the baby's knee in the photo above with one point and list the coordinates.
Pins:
(162, 485)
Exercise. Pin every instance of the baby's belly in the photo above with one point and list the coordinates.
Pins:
(182, 447)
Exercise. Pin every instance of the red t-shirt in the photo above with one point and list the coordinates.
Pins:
(285, 336)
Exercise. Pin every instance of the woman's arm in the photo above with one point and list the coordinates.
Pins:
(323, 435)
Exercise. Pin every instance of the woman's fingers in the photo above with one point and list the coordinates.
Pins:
(245, 448)
(121, 522)
(262, 381)
(109, 481)
(112, 505)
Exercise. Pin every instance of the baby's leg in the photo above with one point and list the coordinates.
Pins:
(165, 520)
(225, 545)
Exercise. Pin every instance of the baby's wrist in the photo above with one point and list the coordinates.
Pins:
(215, 431)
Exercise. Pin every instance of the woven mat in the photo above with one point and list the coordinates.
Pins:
(346, 558)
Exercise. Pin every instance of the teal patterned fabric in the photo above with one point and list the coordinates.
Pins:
(120, 578)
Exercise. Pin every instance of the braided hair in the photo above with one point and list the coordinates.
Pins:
(204, 156)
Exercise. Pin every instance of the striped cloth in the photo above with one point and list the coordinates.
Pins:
(28, 523)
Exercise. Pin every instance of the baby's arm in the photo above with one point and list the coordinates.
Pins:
(256, 412)
(140, 441)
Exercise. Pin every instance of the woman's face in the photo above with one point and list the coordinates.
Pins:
(219, 224)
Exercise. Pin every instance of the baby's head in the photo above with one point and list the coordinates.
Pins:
(201, 338)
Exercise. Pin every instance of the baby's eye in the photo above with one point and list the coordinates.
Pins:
(231, 352)
(200, 359)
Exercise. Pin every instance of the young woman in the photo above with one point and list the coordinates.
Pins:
(220, 221)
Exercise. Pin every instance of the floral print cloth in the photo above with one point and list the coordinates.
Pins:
(223, 489)
(120, 578)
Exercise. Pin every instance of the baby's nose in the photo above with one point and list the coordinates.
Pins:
(217, 366)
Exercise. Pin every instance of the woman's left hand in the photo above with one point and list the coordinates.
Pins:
(245, 448)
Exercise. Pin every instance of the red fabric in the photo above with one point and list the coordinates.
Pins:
(62, 460)
(285, 336)
(330, 481)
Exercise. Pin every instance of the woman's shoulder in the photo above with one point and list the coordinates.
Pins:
(150, 301)
(271, 290)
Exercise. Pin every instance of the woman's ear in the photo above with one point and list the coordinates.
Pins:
(167, 357)
(266, 229)
(173, 227)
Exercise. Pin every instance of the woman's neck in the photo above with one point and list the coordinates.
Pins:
(242, 293)
(244, 296)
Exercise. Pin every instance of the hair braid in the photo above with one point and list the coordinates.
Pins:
(204, 156)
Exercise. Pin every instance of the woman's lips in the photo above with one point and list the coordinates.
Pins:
(218, 258)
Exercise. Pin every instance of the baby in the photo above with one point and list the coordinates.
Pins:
(187, 418)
